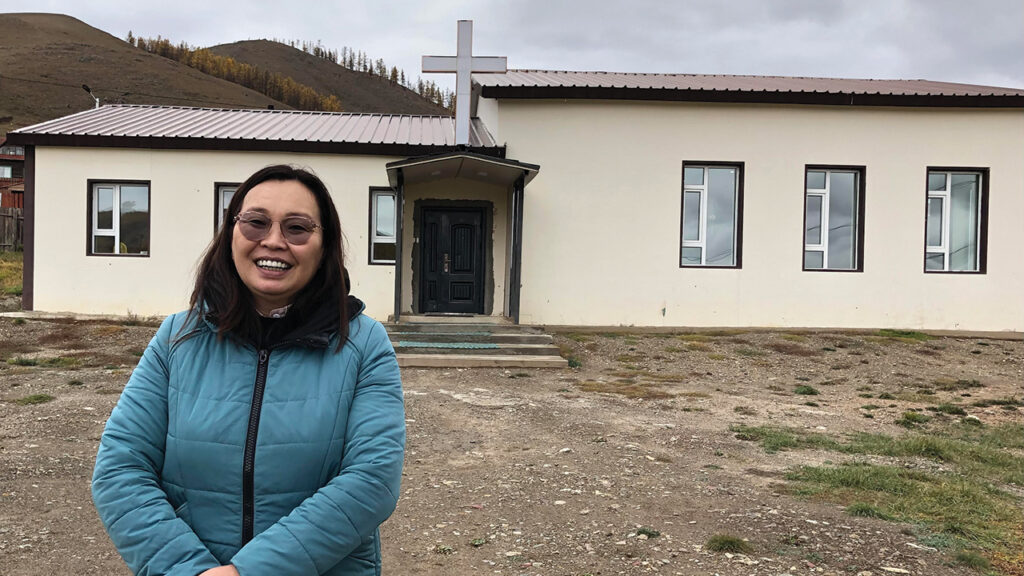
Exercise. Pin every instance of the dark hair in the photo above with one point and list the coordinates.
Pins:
(221, 295)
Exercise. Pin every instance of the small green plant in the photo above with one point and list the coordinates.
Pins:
(886, 396)
(442, 549)
(911, 419)
(574, 362)
(952, 409)
(34, 399)
(727, 543)
(19, 321)
(22, 361)
(812, 404)
(744, 410)
(805, 390)
(477, 542)
(865, 510)
(649, 532)
(75, 383)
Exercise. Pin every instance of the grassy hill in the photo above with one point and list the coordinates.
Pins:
(45, 59)
(358, 91)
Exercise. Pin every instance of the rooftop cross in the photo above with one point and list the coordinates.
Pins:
(464, 64)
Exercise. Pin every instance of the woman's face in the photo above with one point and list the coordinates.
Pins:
(272, 269)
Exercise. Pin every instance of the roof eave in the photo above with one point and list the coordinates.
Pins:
(239, 144)
(753, 96)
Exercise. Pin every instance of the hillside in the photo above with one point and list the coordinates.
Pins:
(45, 59)
(358, 91)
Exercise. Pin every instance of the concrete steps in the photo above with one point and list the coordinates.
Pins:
(446, 343)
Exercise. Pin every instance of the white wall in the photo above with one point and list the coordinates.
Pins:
(182, 211)
(602, 218)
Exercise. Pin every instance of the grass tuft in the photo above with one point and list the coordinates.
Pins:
(805, 390)
(727, 543)
(972, 560)
(911, 419)
(649, 532)
(865, 510)
(34, 399)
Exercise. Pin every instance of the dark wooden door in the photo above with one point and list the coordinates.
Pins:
(453, 261)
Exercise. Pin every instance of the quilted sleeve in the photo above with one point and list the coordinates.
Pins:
(331, 523)
(126, 481)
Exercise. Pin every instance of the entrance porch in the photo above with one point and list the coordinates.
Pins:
(458, 240)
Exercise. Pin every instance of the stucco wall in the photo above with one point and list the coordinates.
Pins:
(602, 219)
(182, 224)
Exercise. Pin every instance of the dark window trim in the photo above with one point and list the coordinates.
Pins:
(861, 200)
(982, 221)
(88, 218)
(370, 228)
(216, 201)
(739, 212)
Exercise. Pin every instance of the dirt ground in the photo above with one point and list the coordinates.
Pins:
(523, 472)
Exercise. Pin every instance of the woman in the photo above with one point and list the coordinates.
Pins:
(263, 430)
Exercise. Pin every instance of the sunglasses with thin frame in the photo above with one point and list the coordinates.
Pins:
(255, 226)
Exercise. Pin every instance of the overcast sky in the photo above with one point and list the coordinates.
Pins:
(970, 41)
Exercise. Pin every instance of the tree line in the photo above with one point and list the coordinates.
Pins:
(274, 85)
(359, 61)
(285, 89)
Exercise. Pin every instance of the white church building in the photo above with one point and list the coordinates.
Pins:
(573, 198)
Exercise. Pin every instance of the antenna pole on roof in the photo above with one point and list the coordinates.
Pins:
(464, 64)
(86, 88)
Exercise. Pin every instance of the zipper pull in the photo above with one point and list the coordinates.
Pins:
(263, 356)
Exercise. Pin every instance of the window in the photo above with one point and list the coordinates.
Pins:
(119, 218)
(6, 172)
(711, 220)
(834, 218)
(382, 226)
(224, 193)
(956, 220)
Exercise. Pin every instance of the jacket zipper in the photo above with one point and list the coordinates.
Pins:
(248, 462)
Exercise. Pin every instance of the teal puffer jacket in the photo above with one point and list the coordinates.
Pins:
(196, 470)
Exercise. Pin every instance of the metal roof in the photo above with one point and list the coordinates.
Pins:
(700, 87)
(167, 126)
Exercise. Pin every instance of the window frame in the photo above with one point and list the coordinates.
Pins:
(861, 187)
(218, 208)
(115, 232)
(982, 232)
(373, 238)
(8, 170)
(737, 214)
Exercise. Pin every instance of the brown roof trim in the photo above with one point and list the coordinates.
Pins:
(237, 144)
(752, 96)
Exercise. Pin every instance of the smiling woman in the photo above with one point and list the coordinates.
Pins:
(263, 431)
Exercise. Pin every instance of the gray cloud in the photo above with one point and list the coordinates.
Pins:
(974, 42)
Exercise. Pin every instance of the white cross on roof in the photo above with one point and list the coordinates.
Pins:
(464, 64)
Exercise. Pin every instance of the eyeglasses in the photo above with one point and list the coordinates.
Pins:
(255, 226)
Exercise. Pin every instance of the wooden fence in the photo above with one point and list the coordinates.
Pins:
(12, 227)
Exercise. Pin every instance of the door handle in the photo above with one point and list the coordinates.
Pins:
(447, 262)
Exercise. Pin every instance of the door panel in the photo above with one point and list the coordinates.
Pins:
(453, 261)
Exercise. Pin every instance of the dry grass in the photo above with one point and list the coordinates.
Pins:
(792, 349)
(10, 273)
(627, 387)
